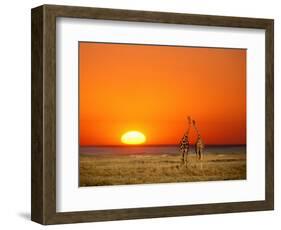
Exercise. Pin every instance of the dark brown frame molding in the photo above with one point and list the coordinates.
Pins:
(43, 159)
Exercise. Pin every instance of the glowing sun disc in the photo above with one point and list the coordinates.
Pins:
(133, 138)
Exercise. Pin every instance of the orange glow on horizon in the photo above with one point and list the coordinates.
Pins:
(154, 88)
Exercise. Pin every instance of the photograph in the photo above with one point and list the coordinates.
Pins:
(161, 114)
(128, 106)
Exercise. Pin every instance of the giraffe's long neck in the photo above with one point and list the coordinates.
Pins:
(199, 138)
(188, 129)
(196, 129)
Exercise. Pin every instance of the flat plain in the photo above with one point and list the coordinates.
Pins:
(112, 169)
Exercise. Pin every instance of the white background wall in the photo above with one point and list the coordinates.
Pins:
(15, 113)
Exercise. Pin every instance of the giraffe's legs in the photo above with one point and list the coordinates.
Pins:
(182, 157)
(201, 153)
(186, 159)
(196, 154)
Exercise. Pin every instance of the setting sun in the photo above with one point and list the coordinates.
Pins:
(133, 138)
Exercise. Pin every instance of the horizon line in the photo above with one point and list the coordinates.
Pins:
(159, 145)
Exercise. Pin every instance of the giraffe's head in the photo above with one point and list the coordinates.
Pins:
(189, 120)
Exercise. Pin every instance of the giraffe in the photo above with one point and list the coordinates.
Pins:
(199, 144)
(184, 144)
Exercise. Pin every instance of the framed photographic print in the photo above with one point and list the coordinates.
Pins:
(140, 114)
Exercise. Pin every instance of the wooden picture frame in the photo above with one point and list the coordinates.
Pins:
(43, 202)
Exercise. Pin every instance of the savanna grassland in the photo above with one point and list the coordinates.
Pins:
(161, 168)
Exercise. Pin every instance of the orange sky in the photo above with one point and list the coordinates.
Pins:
(152, 89)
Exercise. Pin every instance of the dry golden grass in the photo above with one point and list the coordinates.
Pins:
(147, 169)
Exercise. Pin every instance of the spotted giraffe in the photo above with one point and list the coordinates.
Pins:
(199, 144)
(184, 144)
